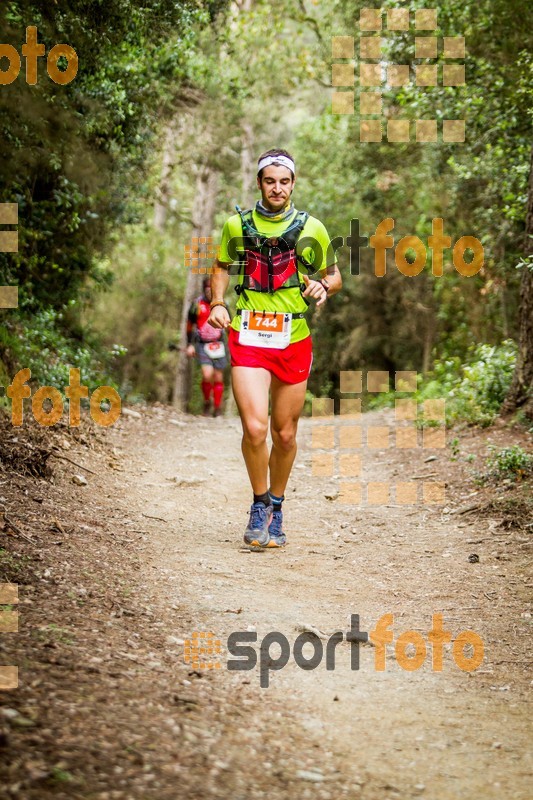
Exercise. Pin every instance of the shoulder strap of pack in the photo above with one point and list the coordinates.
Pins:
(247, 221)
(296, 226)
(301, 218)
(291, 234)
(248, 230)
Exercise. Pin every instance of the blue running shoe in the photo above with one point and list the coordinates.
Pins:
(277, 537)
(256, 534)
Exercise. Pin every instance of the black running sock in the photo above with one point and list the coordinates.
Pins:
(262, 498)
(276, 501)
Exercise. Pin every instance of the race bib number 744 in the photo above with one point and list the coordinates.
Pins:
(265, 330)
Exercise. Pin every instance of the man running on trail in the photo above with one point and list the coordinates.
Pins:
(207, 343)
(269, 339)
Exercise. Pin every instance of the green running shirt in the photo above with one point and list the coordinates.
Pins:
(283, 300)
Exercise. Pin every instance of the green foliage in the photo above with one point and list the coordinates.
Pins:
(53, 632)
(85, 160)
(14, 568)
(76, 152)
(142, 313)
(478, 187)
(455, 448)
(308, 404)
(60, 776)
(508, 462)
(81, 156)
(475, 391)
(42, 344)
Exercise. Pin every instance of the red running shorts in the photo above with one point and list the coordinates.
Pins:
(291, 365)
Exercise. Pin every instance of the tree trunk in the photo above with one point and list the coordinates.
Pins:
(247, 165)
(428, 343)
(165, 186)
(248, 173)
(203, 220)
(520, 394)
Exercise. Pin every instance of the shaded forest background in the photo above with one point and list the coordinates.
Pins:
(156, 140)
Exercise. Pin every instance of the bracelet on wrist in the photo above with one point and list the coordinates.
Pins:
(217, 303)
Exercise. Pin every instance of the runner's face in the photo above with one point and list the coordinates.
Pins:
(276, 185)
(207, 293)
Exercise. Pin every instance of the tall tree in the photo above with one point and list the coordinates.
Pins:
(521, 392)
(204, 207)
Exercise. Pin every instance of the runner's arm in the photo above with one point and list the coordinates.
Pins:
(334, 278)
(219, 317)
(317, 290)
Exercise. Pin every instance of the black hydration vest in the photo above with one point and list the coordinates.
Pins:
(270, 263)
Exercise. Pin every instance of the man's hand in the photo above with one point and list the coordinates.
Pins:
(315, 290)
(190, 350)
(219, 317)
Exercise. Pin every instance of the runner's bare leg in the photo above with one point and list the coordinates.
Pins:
(287, 403)
(250, 388)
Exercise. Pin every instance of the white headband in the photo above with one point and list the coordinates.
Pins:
(278, 161)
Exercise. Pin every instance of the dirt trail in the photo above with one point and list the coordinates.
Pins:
(180, 505)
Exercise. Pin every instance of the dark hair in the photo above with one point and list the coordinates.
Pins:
(274, 152)
(206, 282)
